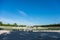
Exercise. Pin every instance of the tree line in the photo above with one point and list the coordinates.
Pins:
(14, 24)
(50, 25)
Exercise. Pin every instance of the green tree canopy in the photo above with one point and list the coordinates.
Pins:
(1, 23)
(15, 24)
(22, 25)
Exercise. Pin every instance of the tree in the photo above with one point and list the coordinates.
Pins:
(7, 24)
(1, 23)
(15, 24)
(22, 25)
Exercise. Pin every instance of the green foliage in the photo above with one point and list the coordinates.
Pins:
(54, 28)
(15, 24)
(6, 24)
(50, 25)
(1, 23)
(22, 25)
(37, 26)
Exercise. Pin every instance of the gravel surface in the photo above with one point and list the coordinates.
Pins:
(4, 31)
(21, 35)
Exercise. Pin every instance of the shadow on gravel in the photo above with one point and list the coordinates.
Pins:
(21, 35)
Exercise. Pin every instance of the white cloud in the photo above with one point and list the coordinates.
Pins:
(22, 13)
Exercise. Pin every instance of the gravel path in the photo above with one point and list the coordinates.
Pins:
(7, 31)
(20, 35)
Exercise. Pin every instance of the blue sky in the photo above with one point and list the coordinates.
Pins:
(30, 12)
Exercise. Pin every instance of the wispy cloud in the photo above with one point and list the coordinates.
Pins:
(22, 12)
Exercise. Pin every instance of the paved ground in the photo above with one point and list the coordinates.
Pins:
(20, 35)
(4, 31)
